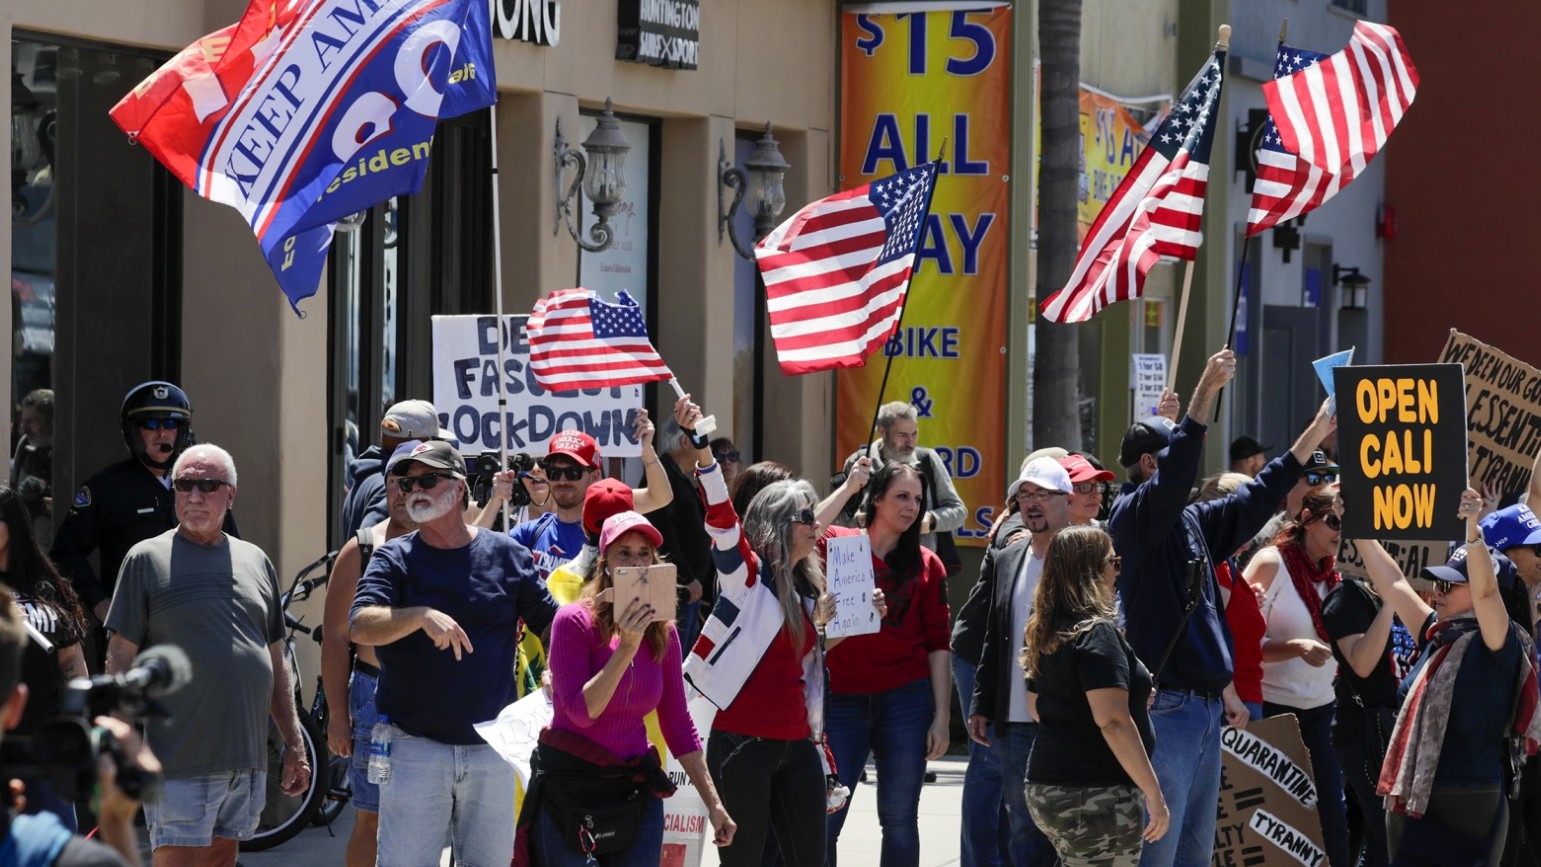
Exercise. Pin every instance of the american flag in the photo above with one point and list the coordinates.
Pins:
(1155, 212)
(1286, 185)
(579, 341)
(836, 273)
(1338, 113)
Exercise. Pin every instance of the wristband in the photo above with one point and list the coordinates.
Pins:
(696, 439)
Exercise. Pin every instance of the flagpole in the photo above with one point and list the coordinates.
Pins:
(497, 300)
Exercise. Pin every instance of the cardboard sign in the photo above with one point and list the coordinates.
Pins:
(1148, 380)
(1267, 812)
(1402, 449)
(1412, 557)
(652, 584)
(848, 572)
(1503, 412)
(685, 825)
(466, 389)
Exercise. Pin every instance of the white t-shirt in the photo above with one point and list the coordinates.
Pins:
(1021, 608)
(1293, 682)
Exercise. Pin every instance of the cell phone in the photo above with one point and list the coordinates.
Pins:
(654, 585)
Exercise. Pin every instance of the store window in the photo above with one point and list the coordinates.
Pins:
(96, 230)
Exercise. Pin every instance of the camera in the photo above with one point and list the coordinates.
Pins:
(490, 463)
(65, 749)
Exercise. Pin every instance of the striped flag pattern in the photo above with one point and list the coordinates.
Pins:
(1155, 212)
(1286, 185)
(836, 273)
(579, 341)
(1337, 114)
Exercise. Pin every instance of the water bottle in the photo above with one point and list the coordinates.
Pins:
(380, 751)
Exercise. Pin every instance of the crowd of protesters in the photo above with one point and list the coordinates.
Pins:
(1109, 635)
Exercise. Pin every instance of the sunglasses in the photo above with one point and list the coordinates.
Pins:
(557, 474)
(208, 486)
(1445, 587)
(805, 517)
(1039, 496)
(1332, 520)
(1087, 487)
(726, 457)
(1115, 561)
(1314, 479)
(160, 423)
(427, 481)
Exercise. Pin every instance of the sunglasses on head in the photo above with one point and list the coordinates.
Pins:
(208, 486)
(426, 481)
(805, 517)
(570, 473)
(726, 457)
(1314, 479)
(160, 423)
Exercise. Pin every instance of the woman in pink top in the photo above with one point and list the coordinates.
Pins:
(607, 673)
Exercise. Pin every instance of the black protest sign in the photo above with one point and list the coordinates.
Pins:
(1402, 449)
(1503, 411)
(1267, 815)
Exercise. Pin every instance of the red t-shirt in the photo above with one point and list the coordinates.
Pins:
(918, 623)
(1248, 625)
(771, 703)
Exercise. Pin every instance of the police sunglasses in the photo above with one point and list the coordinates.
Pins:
(208, 486)
(427, 481)
(160, 423)
(571, 473)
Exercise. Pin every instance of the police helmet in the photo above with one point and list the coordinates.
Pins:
(156, 401)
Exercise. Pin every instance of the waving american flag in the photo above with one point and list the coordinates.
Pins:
(1287, 186)
(579, 341)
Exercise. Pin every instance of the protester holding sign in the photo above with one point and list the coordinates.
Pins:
(890, 691)
(610, 668)
(1090, 767)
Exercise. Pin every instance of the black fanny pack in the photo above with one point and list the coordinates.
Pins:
(598, 808)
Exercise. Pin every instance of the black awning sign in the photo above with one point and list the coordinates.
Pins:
(659, 32)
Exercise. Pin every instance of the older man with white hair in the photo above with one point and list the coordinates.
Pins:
(215, 597)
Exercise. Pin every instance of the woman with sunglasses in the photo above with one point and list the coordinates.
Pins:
(890, 691)
(1090, 767)
(1295, 573)
(759, 660)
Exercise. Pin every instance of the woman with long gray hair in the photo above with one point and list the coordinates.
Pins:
(760, 661)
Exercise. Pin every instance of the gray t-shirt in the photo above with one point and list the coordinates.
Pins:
(219, 604)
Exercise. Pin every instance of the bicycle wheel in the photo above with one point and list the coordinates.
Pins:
(286, 815)
(338, 793)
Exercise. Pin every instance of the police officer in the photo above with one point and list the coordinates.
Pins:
(131, 500)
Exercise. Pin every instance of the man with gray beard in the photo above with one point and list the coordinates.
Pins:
(442, 605)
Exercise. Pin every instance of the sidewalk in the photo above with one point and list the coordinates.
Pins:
(860, 842)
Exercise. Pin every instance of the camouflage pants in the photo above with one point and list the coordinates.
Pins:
(1090, 825)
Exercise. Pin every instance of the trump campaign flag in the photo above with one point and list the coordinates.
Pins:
(577, 340)
(1155, 212)
(306, 111)
(837, 272)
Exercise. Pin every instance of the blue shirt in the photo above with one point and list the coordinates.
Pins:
(487, 586)
(551, 542)
(1475, 751)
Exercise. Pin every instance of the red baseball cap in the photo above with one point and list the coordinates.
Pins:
(604, 498)
(575, 444)
(619, 525)
(1081, 470)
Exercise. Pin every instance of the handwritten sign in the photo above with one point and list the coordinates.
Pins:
(1148, 380)
(1267, 811)
(467, 386)
(1503, 411)
(848, 570)
(1402, 441)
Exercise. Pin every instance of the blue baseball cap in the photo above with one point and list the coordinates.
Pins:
(1511, 527)
(402, 452)
(1455, 570)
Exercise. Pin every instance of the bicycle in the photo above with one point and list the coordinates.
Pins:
(285, 815)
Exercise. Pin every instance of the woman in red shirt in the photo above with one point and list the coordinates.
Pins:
(889, 691)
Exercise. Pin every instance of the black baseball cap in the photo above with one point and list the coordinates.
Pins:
(1318, 463)
(1144, 438)
(437, 454)
(1244, 447)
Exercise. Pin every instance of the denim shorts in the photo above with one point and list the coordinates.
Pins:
(192, 811)
(361, 708)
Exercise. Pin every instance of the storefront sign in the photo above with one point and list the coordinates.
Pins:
(537, 21)
(1267, 811)
(1503, 412)
(659, 32)
(466, 388)
(1402, 447)
(908, 81)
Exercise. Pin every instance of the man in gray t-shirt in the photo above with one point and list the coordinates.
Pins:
(216, 598)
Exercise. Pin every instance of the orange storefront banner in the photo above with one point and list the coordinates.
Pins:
(908, 82)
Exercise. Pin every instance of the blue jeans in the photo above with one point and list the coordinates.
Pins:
(891, 727)
(438, 794)
(550, 847)
(362, 710)
(1027, 845)
(985, 830)
(1316, 732)
(1187, 764)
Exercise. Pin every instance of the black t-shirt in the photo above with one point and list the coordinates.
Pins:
(1348, 610)
(1070, 748)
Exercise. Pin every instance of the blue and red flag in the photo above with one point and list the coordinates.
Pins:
(306, 111)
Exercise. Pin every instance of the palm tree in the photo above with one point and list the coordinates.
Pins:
(1056, 420)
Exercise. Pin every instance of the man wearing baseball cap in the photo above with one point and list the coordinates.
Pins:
(443, 606)
(403, 422)
(998, 716)
(1515, 532)
(1248, 455)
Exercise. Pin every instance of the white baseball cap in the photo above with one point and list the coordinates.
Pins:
(1046, 473)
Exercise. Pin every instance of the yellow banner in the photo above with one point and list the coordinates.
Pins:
(909, 81)
(1111, 140)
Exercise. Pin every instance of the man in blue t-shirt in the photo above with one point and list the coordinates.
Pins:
(443, 606)
(571, 465)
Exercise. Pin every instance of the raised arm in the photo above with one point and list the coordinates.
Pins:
(1387, 578)
(658, 493)
(856, 478)
(1492, 618)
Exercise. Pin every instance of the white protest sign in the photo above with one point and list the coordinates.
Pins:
(848, 573)
(466, 384)
(1147, 378)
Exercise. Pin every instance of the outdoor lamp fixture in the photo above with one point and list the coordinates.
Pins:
(31, 143)
(601, 174)
(767, 196)
(1356, 286)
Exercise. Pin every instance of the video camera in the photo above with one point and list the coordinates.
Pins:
(65, 748)
(490, 463)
